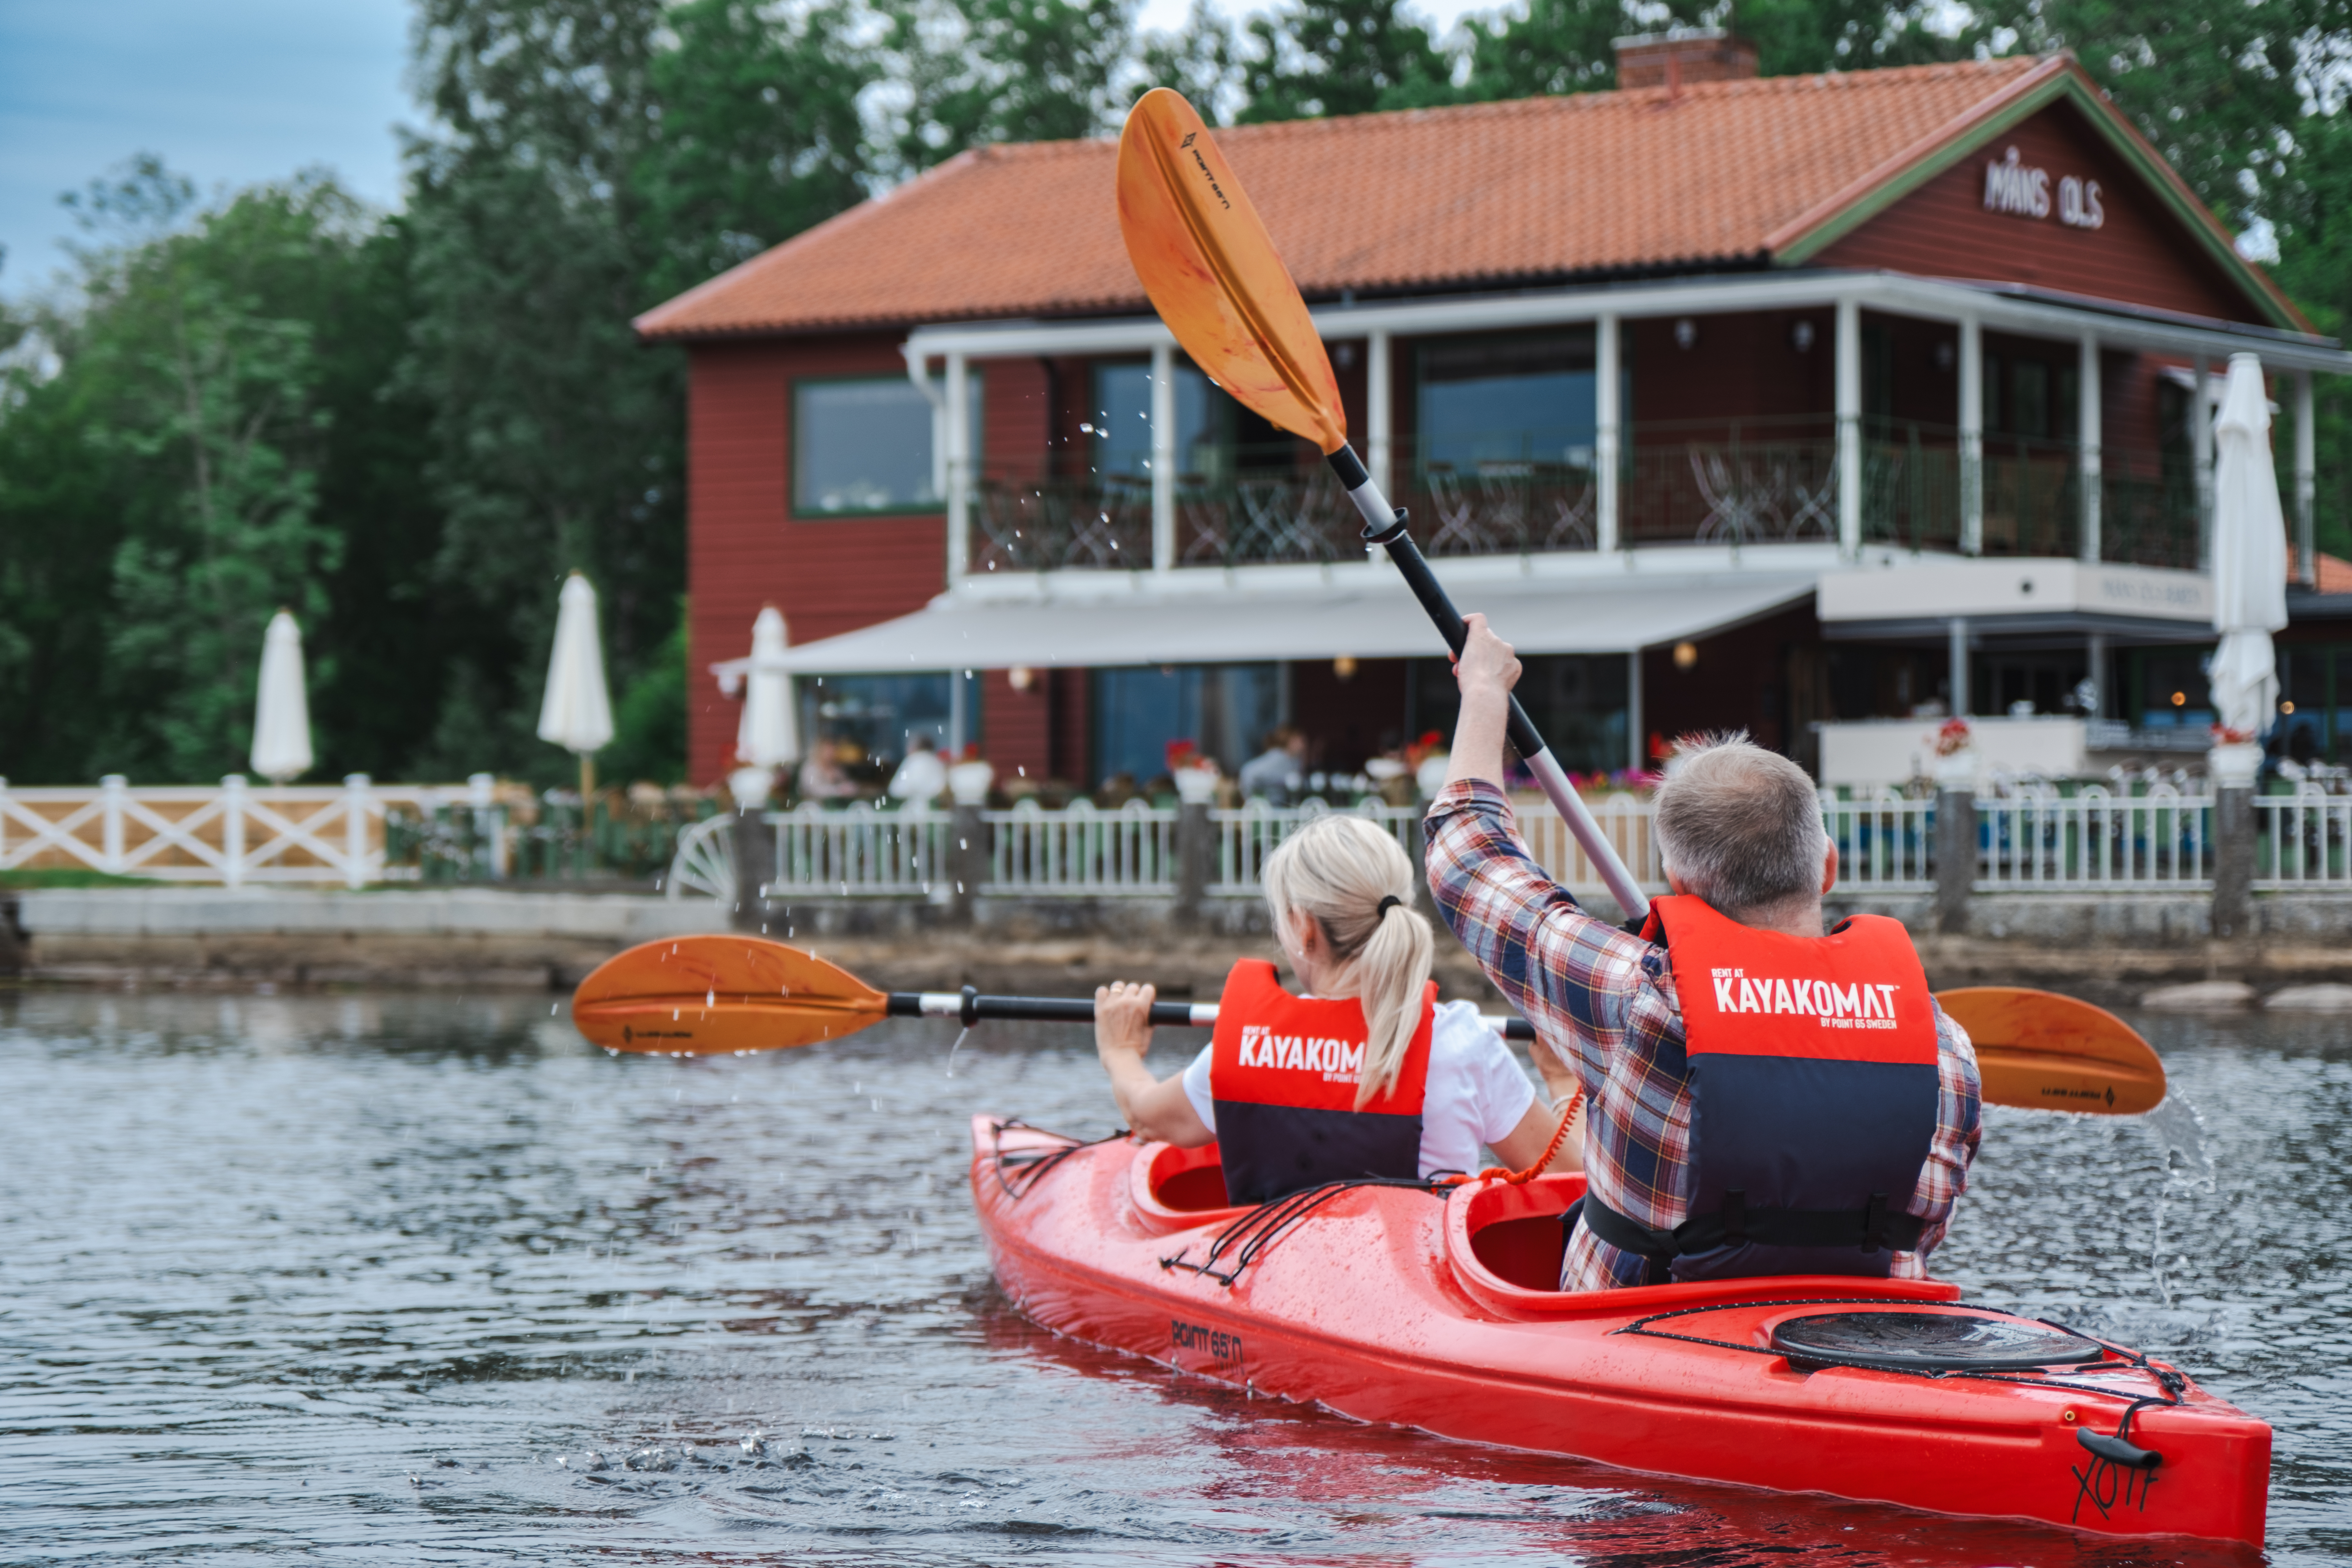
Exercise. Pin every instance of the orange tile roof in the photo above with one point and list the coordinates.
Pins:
(1592, 183)
(2335, 572)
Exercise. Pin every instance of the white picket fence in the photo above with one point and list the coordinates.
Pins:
(1885, 845)
(231, 834)
(2302, 841)
(869, 851)
(2095, 841)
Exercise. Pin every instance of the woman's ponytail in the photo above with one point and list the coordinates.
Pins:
(1356, 883)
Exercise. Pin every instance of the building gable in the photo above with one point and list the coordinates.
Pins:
(2052, 190)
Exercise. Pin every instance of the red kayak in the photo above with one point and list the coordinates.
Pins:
(1389, 1302)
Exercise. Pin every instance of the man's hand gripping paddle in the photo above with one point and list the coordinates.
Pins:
(725, 996)
(1217, 282)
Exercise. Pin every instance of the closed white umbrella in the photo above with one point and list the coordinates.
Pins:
(577, 713)
(282, 708)
(2249, 557)
(769, 734)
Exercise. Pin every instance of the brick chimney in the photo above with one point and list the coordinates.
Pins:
(1681, 57)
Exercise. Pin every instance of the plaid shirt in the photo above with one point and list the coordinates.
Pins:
(1605, 1002)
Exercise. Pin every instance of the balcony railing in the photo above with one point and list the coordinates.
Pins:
(1745, 483)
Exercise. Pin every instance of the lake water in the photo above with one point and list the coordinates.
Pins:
(286, 1279)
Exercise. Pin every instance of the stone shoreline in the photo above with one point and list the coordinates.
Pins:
(199, 939)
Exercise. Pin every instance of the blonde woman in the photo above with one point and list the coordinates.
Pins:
(1362, 1072)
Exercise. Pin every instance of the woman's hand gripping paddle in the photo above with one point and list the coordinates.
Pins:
(721, 995)
(1213, 275)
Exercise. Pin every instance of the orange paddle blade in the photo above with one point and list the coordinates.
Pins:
(711, 995)
(2041, 1051)
(1213, 275)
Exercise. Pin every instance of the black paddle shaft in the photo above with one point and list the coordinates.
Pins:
(1415, 569)
(969, 1007)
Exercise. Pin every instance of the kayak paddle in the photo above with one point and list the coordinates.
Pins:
(1213, 273)
(2041, 1051)
(722, 996)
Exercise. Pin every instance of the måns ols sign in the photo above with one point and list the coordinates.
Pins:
(2016, 188)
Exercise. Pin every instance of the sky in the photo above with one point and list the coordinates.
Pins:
(229, 92)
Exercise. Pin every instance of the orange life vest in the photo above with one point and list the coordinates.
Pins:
(1813, 1097)
(1283, 1073)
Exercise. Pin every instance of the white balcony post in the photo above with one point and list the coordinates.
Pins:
(1634, 757)
(2088, 416)
(233, 830)
(110, 791)
(355, 829)
(1971, 436)
(1956, 633)
(1608, 429)
(2307, 486)
(958, 444)
(2201, 446)
(1849, 426)
(1163, 458)
(1380, 417)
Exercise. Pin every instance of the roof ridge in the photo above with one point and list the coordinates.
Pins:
(1878, 78)
(870, 210)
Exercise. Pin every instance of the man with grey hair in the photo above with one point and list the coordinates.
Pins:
(1763, 1096)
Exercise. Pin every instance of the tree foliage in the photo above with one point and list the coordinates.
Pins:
(408, 427)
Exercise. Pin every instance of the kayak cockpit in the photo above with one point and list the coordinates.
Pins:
(1503, 1242)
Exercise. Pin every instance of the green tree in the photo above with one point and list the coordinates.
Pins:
(193, 377)
(1549, 46)
(759, 133)
(557, 438)
(1340, 57)
(1202, 59)
(971, 72)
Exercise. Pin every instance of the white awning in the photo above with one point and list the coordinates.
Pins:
(1614, 615)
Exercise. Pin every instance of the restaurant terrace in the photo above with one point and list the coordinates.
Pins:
(1777, 402)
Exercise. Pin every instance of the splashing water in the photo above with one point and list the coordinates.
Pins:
(2179, 1132)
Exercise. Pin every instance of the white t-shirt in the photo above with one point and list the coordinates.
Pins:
(1476, 1091)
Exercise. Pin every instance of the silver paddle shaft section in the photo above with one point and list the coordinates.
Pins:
(1385, 526)
(1079, 1009)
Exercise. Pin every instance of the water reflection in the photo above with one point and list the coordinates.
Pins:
(307, 1277)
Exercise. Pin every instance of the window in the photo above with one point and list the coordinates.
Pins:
(864, 446)
(1122, 418)
(1507, 401)
(1225, 710)
(881, 713)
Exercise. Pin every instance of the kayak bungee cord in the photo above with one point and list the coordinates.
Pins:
(1036, 1164)
(1259, 1228)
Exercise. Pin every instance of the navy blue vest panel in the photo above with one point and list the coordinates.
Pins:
(1806, 1134)
(1273, 1151)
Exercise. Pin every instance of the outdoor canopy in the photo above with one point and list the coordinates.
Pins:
(281, 709)
(769, 734)
(2248, 556)
(577, 713)
(1618, 615)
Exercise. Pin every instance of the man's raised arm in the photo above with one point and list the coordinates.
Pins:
(1570, 973)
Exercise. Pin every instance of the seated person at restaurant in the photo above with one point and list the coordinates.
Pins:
(1764, 1097)
(1278, 772)
(1363, 1072)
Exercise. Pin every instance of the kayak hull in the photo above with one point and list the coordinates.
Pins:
(1391, 1304)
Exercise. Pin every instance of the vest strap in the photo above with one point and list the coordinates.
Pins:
(1866, 1230)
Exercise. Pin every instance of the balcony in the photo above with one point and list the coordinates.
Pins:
(1743, 484)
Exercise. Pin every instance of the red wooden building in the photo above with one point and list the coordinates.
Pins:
(1758, 402)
